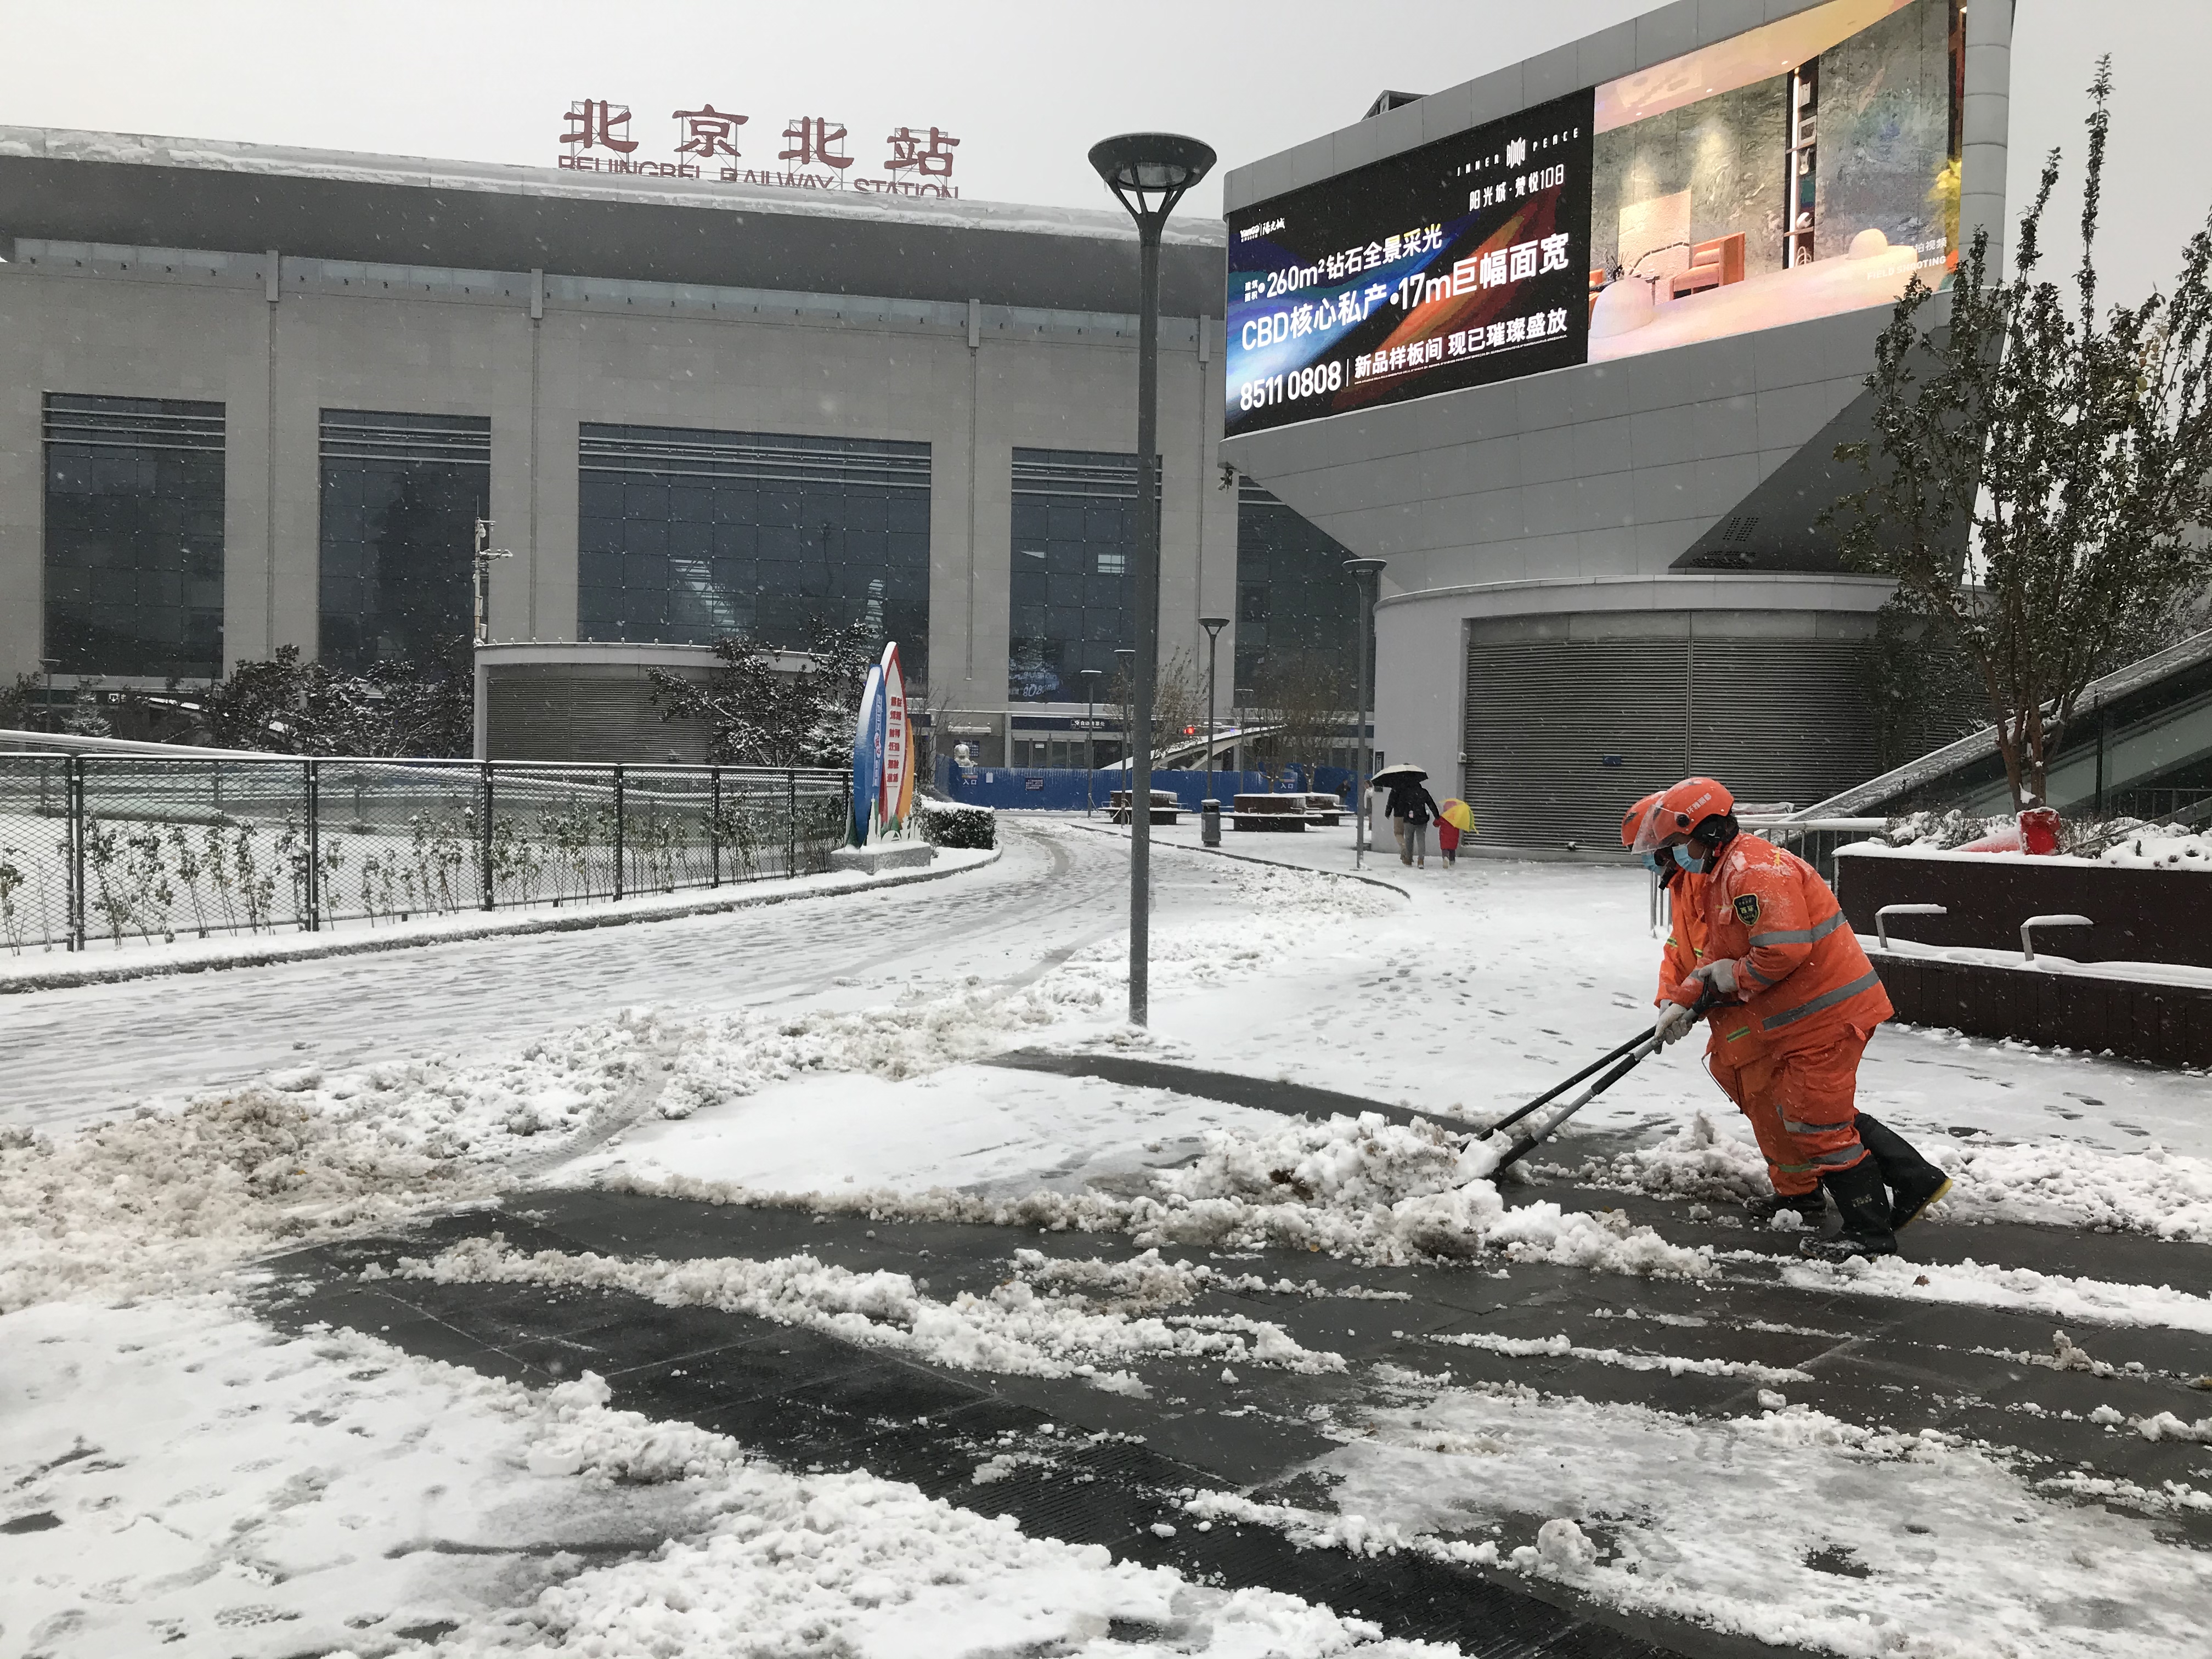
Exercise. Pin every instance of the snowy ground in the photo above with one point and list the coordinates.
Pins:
(252, 1494)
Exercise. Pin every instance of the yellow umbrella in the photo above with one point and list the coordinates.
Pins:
(1458, 814)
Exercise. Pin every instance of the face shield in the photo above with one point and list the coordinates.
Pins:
(1659, 831)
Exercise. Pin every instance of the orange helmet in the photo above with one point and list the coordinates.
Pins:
(1632, 822)
(1680, 811)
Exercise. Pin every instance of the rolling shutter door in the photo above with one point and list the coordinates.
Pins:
(1544, 717)
(1561, 735)
(1782, 719)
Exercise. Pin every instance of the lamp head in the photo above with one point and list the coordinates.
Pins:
(1213, 625)
(1365, 566)
(1150, 172)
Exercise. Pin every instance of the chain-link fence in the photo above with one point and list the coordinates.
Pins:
(140, 848)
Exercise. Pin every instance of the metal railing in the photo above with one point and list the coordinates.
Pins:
(140, 848)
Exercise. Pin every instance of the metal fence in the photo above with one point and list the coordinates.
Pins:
(142, 848)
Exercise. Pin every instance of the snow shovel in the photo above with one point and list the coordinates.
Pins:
(1548, 1125)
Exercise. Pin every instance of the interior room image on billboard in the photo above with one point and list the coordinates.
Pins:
(1799, 170)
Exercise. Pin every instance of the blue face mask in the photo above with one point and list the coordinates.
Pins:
(1651, 862)
(1683, 857)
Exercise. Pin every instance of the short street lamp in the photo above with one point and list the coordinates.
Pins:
(1124, 673)
(1368, 573)
(1212, 625)
(1149, 172)
(1090, 676)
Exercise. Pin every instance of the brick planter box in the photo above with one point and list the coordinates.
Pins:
(1271, 813)
(1165, 809)
(2141, 915)
(2167, 1025)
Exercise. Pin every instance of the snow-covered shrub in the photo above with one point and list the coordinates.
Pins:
(955, 824)
(1935, 831)
(2139, 846)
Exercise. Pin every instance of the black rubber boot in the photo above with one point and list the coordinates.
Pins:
(1914, 1183)
(1811, 1207)
(1859, 1194)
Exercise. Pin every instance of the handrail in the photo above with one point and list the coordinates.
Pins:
(2027, 931)
(1882, 917)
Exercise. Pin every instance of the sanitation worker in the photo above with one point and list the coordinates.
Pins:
(1800, 1000)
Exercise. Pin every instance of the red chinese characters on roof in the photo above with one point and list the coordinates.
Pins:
(813, 141)
(708, 132)
(908, 152)
(593, 123)
(916, 162)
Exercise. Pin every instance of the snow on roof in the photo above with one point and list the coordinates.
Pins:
(494, 178)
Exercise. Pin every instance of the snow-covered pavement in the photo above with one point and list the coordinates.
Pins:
(840, 1054)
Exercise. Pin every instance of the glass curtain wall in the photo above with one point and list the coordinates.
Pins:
(134, 496)
(1297, 608)
(1073, 583)
(401, 495)
(687, 537)
(1297, 626)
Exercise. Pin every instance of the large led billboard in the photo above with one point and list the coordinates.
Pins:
(1795, 171)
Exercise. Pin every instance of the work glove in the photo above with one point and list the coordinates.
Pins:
(1721, 975)
(1673, 1023)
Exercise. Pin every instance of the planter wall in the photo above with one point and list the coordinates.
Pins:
(2141, 915)
(2168, 1026)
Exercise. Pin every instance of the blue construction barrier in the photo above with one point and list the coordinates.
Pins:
(1064, 789)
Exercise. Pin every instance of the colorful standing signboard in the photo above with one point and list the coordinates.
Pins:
(883, 755)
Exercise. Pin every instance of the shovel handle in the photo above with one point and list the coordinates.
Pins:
(1645, 1045)
(1705, 1000)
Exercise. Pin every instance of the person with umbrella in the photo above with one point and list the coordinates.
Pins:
(1454, 818)
(1409, 808)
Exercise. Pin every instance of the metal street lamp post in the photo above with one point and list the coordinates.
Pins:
(1367, 573)
(1148, 172)
(1089, 677)
(1212, 625)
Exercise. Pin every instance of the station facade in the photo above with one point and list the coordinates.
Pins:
(1572, 346)
(252, 397)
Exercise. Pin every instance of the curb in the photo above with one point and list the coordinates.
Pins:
(1250, 857)
(65, 978)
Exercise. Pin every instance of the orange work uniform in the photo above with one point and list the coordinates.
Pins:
(1787, 1051)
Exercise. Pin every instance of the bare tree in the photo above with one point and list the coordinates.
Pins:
(1306, 698)
(2037, 480)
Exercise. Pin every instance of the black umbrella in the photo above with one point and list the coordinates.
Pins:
(1403, 772)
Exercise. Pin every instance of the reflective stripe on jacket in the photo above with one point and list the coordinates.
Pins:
(1798, 969)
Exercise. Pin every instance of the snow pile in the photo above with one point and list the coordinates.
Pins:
(1365, 1185)
(2015, 1290)
(1013, 1330)
(181, 1481)
(165, 1200)
(2065, 1184)
(1354, 1186)
(1706, 1519)
(1698, 1160)
(1522, 1347)
(2044, 1181)
(2160, 847)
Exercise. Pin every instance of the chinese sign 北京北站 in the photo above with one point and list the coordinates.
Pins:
(816, 152)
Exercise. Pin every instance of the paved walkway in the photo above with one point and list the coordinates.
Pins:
(808, 1401)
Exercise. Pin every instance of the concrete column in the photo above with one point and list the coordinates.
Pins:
(1983, 127)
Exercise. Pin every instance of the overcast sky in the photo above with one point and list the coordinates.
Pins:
(1026, 86)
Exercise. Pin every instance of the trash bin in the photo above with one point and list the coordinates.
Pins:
(1209, 823)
